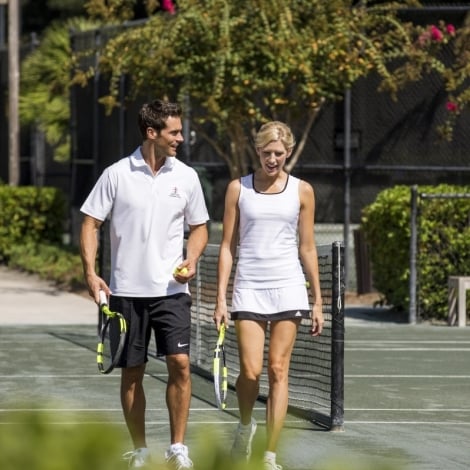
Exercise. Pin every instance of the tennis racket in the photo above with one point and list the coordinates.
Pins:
(220, 370)
(105, 359)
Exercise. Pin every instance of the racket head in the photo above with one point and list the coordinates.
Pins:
(106, 357)
(220, 372)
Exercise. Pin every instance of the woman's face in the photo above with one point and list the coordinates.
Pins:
(273, 157)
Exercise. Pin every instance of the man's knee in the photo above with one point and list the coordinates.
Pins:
(178, 367)
(133, 375)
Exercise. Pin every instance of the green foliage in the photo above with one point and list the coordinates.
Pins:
(29, 215)
(31, 229)
(56, 263)
(456, 80)
(214, 452)
(386, 226)
(111, 10)
(443, 245)
(243, 62)
(32, 441)
(45, 81)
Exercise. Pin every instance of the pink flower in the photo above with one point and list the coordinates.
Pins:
(436, 33)
(450, 28)
(167, 5)
(424, 38)
(452, 107)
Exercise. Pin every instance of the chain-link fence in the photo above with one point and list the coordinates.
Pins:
(391, 143)
(439, 249)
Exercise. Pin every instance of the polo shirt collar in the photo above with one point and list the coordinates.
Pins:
(137, 160)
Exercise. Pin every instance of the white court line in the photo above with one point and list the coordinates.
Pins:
(404, 376)
(119, 410)
(433, 410)
(74, 376)
(155, 423)
(232, 423)
(81, 410)
(414, 423)
(393, 341)
(76, 350)
(408, 349)
(164, 374)
(214, 409)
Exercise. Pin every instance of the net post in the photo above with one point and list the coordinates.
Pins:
(337, 338)
(413, 249)
(198, 310)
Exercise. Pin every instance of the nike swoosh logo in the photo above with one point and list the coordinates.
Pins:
(182, 345)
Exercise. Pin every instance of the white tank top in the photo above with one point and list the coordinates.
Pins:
(268, 254)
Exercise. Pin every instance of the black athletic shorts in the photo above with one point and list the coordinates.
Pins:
(169, 317)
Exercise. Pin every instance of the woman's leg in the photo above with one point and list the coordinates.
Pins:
(283, 334)
(250, 337)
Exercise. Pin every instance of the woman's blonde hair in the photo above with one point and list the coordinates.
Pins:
(273, 131)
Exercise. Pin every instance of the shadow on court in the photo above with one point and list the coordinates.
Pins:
(406, 395)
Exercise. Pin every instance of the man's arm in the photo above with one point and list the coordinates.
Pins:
(196, 244)
(88, 250)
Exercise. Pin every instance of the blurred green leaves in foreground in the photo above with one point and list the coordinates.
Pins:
(34, 439)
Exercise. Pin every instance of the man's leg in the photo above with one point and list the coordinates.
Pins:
(178, 395)
(133, 403)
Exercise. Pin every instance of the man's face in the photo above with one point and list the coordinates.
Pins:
(168, 140)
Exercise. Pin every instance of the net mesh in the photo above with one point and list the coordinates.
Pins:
(315, 378)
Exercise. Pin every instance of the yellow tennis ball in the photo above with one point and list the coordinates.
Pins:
(183, 270)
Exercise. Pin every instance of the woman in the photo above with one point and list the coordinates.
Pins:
(271, 214)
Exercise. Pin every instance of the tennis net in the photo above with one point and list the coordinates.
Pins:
(316, 376)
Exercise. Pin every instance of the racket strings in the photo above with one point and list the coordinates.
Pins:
(220, 371)
(102, 348)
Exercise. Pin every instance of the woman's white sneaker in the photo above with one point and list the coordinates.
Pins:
(241, 448)
(271, 465)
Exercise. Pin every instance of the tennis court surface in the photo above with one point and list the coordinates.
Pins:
(406, 389)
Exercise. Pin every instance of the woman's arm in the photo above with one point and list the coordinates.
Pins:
(308, 252)
(227, 251)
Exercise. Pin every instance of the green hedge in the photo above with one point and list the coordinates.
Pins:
(30, 215)
(443, 245)
(60, 264)
(31, 229)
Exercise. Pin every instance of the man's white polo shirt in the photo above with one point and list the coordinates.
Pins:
(147, 215)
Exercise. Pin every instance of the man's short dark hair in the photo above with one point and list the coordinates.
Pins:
(155, 114)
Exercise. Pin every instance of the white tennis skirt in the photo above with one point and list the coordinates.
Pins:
(277, 303)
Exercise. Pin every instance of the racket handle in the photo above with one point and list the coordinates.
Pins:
(103, 298)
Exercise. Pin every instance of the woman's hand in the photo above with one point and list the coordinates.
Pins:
(317, 320)
(221, 315)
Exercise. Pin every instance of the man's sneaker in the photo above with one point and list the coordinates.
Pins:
(271, 465)
(177, 457)
(241, 448)
(138, 458)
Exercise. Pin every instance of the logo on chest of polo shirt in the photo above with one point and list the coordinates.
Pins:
(174, 192)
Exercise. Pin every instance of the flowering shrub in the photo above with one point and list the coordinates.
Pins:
(440, 34)
(242, 62)
(452, 106)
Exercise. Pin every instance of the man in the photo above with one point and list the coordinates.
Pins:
(149, 197)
